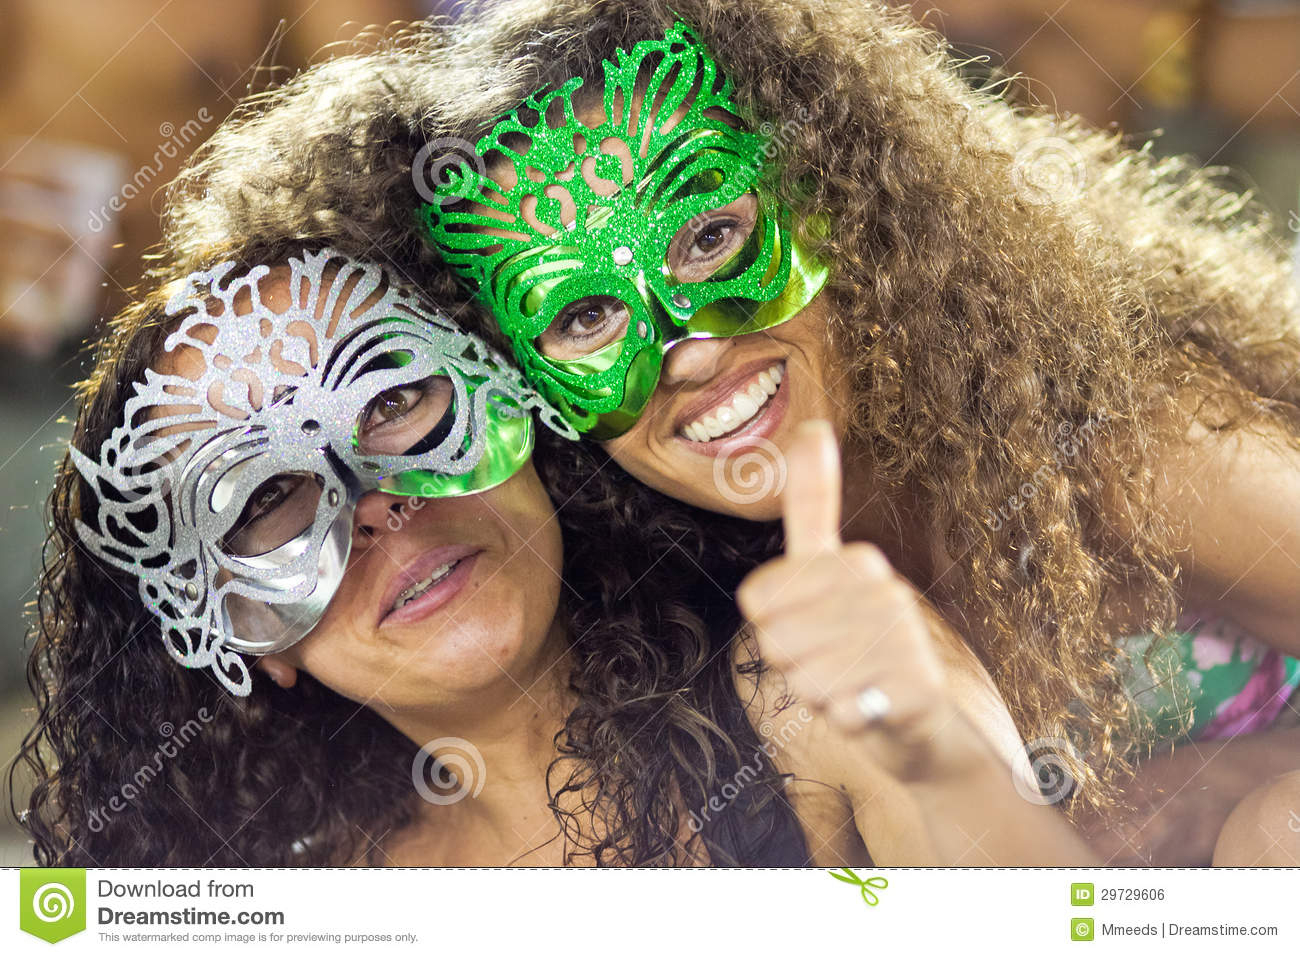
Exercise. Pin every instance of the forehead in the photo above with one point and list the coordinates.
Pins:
(277, 293)
(239, 374)
(629, 122)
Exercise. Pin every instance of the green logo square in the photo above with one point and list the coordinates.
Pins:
(1081, 928)
(1081, 895)
(52, 902)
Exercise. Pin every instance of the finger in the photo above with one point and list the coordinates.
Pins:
(810, 504)
(855, 569)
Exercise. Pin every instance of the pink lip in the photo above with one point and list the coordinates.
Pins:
(437, 596)
(762, 426)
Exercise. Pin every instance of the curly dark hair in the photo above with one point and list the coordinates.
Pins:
(140, 762)
(980, 312)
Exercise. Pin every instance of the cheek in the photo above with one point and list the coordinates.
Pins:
(341, 658)
(533, 548)
(699, 481)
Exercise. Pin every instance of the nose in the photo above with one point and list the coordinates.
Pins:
(376, 513)
(693, 360)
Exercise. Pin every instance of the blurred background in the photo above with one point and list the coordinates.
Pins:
(101, 102)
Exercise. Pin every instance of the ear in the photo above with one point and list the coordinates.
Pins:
(278, 670)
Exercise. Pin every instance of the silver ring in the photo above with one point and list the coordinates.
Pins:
(873, 704)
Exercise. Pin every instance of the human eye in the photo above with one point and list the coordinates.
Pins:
(709, 240)
(266, 498)
(391, 406)
(402, 418)
(278, 510)
(583, 327)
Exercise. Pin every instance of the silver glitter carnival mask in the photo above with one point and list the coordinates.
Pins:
(229, 492)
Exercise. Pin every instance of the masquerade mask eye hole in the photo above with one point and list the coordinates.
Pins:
(278, 511)
(408, 419)
(584, 327)
(707, 241)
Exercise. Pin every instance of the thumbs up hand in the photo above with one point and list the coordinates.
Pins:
(849, 635)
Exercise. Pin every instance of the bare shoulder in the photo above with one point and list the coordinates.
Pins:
(973, 689)
(1227, 474)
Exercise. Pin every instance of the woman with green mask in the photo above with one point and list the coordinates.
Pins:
(1067, 404)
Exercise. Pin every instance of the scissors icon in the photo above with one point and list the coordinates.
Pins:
(865, 885)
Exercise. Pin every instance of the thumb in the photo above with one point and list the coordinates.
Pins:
(810, 505)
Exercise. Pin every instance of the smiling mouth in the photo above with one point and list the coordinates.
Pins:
(745, 405)
(419, 588)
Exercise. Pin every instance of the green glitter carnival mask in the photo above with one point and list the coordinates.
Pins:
(611, 243)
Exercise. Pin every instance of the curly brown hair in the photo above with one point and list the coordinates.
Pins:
(980, 313)
(140, 762)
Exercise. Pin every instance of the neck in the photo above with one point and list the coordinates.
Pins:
(497, 747)
(886, 517)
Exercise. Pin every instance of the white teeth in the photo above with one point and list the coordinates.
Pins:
(420, 587)
(742, 407)
(745, 406)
